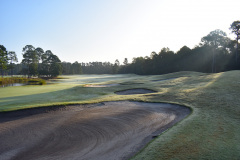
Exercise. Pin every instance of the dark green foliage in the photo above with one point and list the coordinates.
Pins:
(71, 68)
(76, 68)
(36, 81)
(235, 27)
(216, 42)
(214, 54)
(97, 68)
(6, 60)
(115, 67)
(16, 69)
(31, 59)
(125, 62)
(55, 69)
(50, 66)
(33, 69)
(3, 59)
(13, 58)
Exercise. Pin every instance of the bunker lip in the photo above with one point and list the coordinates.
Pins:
(130, 83)
(134, 91)
(159, 80)
(107, 130)
(102, 85)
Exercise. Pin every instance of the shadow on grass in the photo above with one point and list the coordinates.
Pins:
(77, 93)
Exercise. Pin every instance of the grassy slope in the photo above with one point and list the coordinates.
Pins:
(63, 91)
(211, 132)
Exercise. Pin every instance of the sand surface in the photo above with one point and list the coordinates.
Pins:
(102, 85)
(109, 130)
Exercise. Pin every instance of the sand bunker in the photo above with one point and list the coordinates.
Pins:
(109, 130)
(135, 91)
(102, 85)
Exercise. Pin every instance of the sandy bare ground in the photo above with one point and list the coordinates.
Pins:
(102, 85)
(109, 130)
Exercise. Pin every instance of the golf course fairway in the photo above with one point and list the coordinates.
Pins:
(210, 131)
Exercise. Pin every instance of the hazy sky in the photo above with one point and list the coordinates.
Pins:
(106, 30)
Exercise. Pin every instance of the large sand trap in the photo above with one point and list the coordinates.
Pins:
(135, 91)
(109, 130)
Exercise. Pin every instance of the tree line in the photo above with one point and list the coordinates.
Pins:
(215, 53)
(35, 62)
(7, 59)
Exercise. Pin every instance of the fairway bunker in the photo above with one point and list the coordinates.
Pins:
(107, 130)
(135, 91)
(101, 85)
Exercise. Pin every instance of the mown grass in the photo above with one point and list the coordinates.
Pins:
(63, 91)
(211, 132)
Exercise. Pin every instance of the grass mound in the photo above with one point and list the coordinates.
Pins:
(212, 131)
(135, 91)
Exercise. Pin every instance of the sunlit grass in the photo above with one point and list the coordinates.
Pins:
(64, 90)
(211, 132)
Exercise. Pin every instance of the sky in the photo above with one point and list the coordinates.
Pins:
(106, 30)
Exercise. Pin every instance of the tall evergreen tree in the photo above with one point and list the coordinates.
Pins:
(235, 27)
(116, 66)
(125, 62)
(31, 59)
(76, 68)
(51, 65)
(13, 58)
(3, 59)
(216, 40)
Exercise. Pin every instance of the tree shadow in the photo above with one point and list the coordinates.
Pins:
(67, 95)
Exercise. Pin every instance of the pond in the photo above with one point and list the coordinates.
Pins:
(14, 84)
